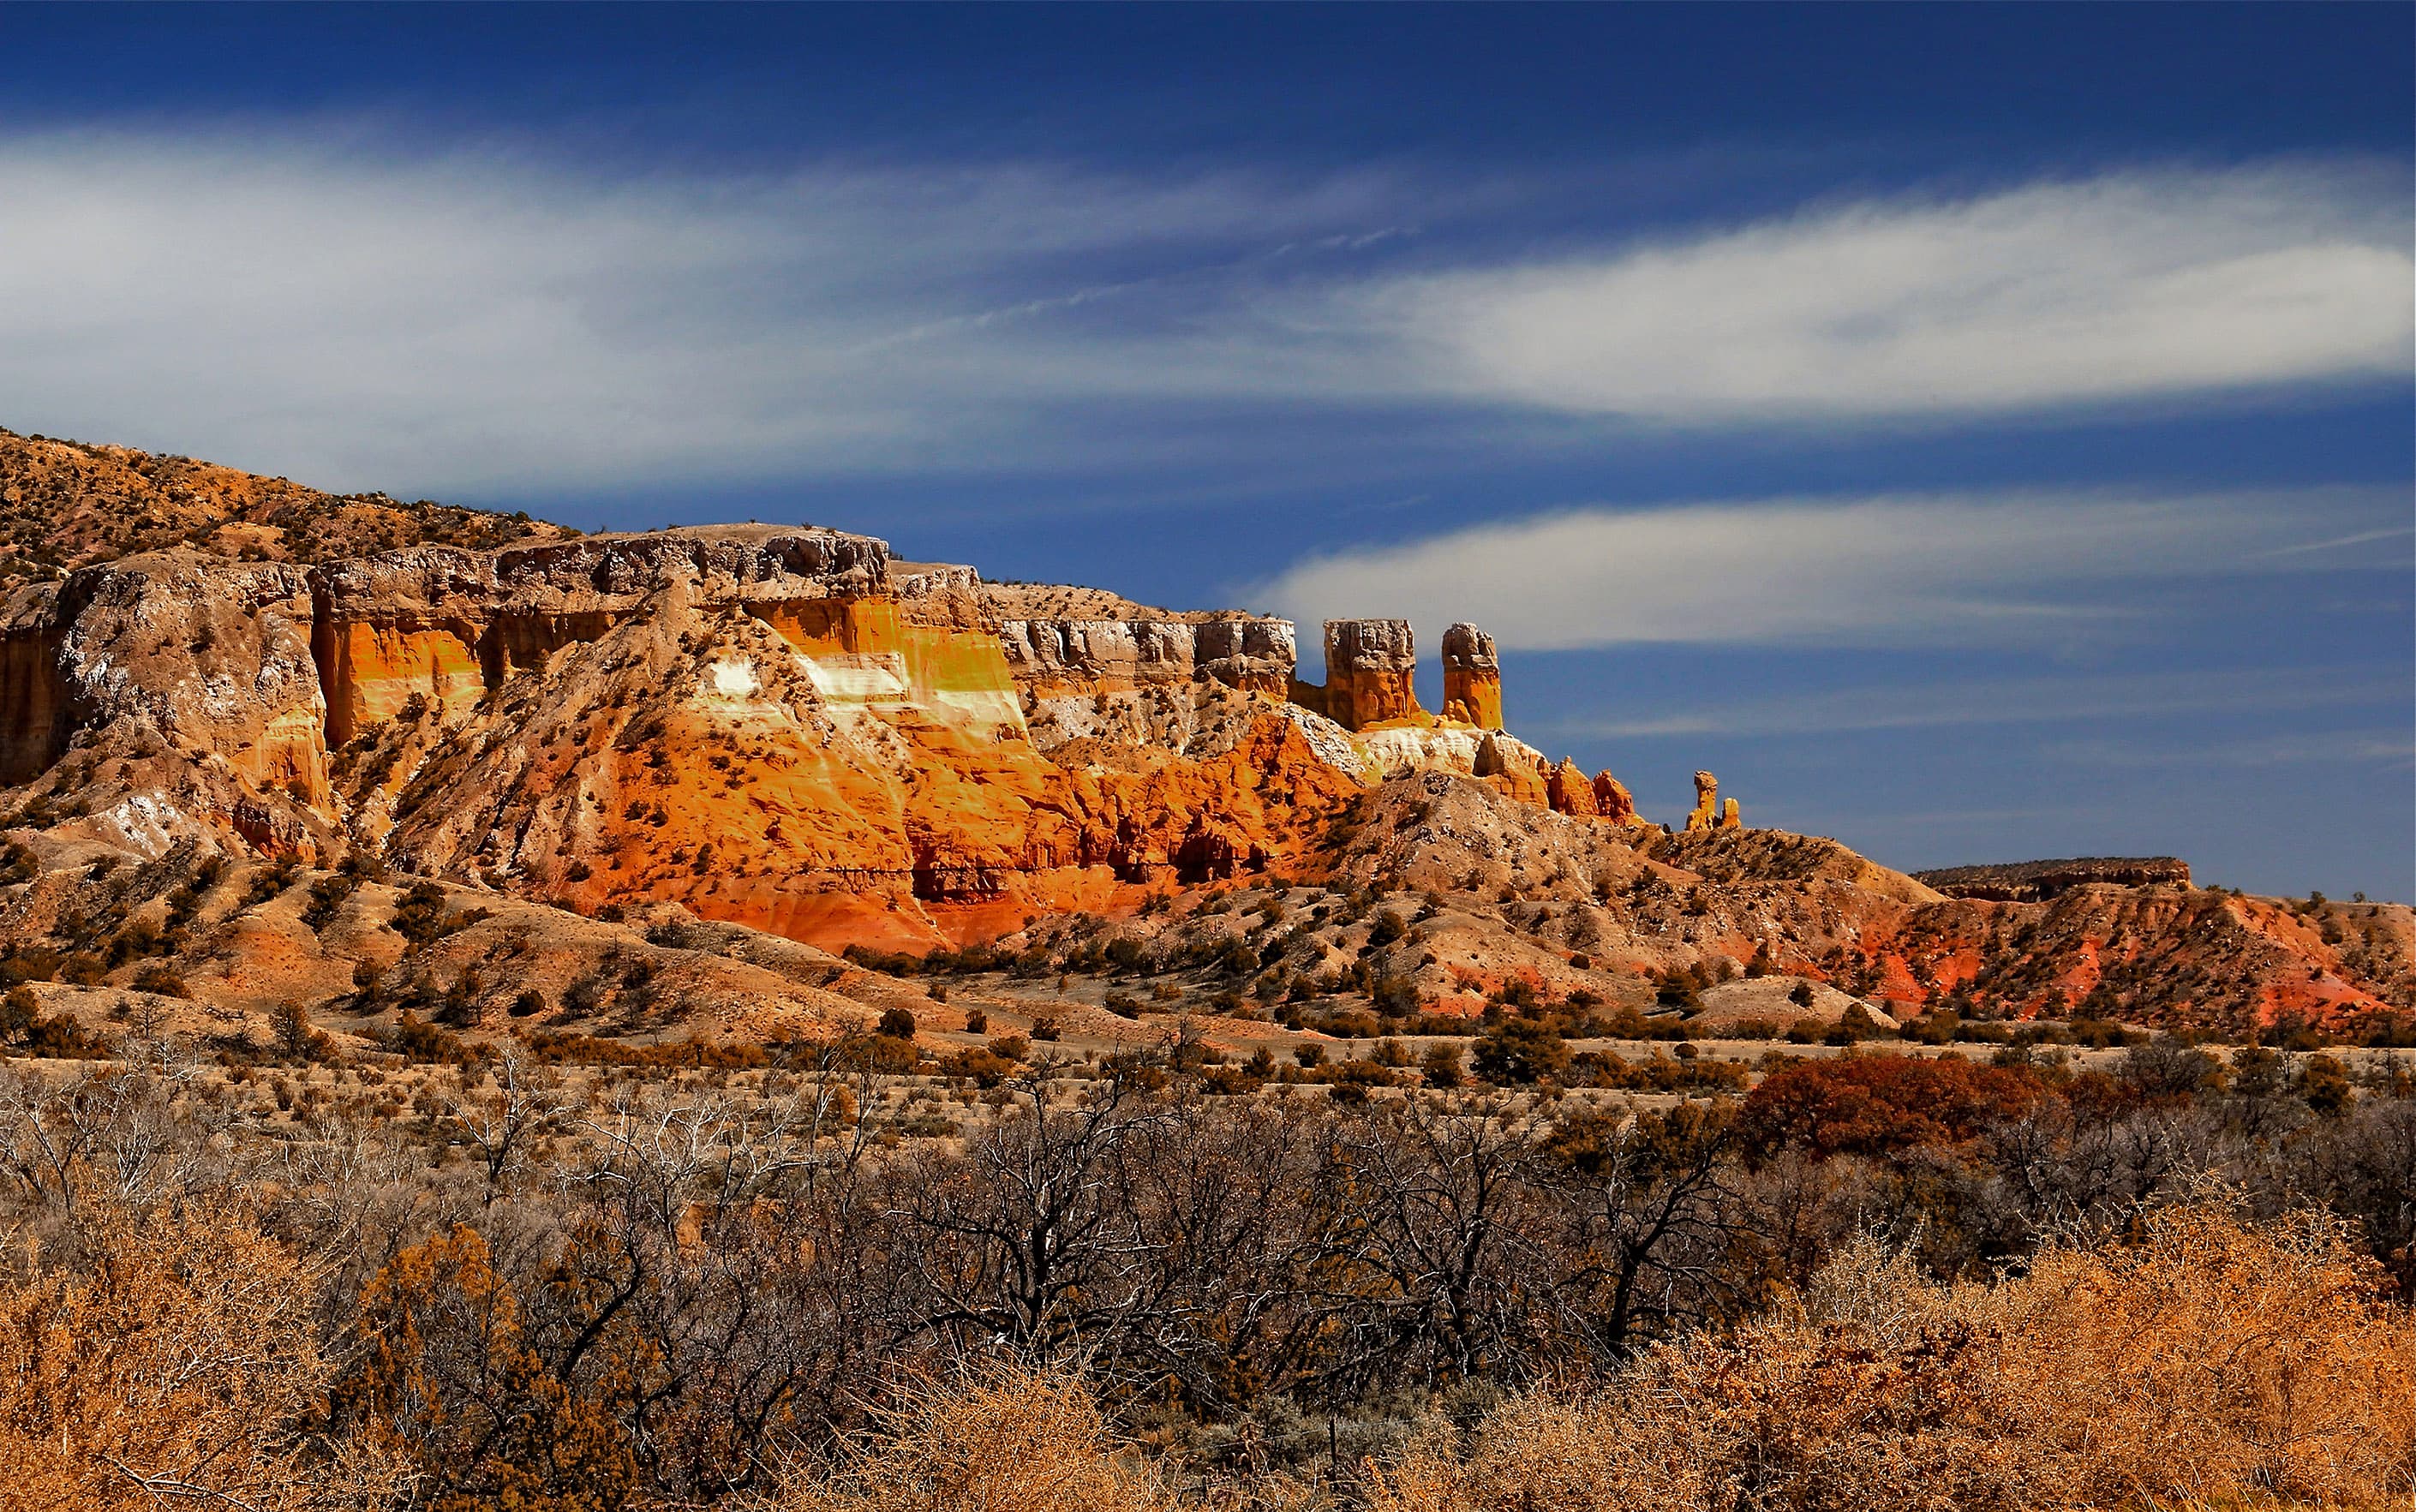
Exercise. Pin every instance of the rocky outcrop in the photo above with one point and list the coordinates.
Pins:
(33, 686)
(1513, 769)
(1370, 671)
(1570, 790)
(66, 505)
(2033, 882)
(1612, 800)
(783, 728)
(1471, 677)
(169, 695)
(1709, 812)
(444, 625)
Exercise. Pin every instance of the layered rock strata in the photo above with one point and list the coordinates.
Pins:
(1058, 658)
(774, 726)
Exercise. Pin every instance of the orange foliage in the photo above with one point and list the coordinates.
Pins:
(1014, 1440)
(452, 1383)
(182, 1370)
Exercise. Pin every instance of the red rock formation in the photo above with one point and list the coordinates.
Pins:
(1705, 814)
(1471, 677)
(1570, 790)
(33, 689)
(1510, 768)
(172, 694)
(1709, 812)
(783, 729)
(1612, 800)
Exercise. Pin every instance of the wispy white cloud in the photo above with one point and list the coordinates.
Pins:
(2075, 698)
(2122, 287)
(492, 320)
(499, 319)
(1884, 570)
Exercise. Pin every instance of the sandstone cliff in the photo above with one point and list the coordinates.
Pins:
(772, 725)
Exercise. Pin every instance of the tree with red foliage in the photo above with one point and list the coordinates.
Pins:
(1878, 1105)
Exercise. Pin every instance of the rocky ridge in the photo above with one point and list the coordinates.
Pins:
(786, 733)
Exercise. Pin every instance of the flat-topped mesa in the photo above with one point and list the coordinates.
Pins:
(1471, 677)
(1370, 671)
(2034, 882)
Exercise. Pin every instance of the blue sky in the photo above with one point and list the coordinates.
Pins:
(1978, 433)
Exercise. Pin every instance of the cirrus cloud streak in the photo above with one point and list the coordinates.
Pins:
(1889, 570)
(2116, 288)
(501, 321)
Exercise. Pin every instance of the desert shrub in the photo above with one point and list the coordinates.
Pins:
(1519, 1051)
(1007, 1440)
(458, 1386)
(2212, 1364)
(886, 1054)
(892, 963)
(986, 1067)
(26, 1030)
(268, 881)
(585, 1050)
(417, 1040)
(1880, 1104)
(328, 895)
(161, 979)
(181, 1372)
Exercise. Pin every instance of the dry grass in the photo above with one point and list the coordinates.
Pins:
(180, 1372)
(1011, 1440)
(2211, 1364)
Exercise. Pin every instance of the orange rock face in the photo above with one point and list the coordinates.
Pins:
(767, 725)
(1706, 813)
(1471, 677)
(1509, 769)
(1570, 790)
(1370, 671)
(1611, 799)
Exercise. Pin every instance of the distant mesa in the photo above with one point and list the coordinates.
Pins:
(2034, 882)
